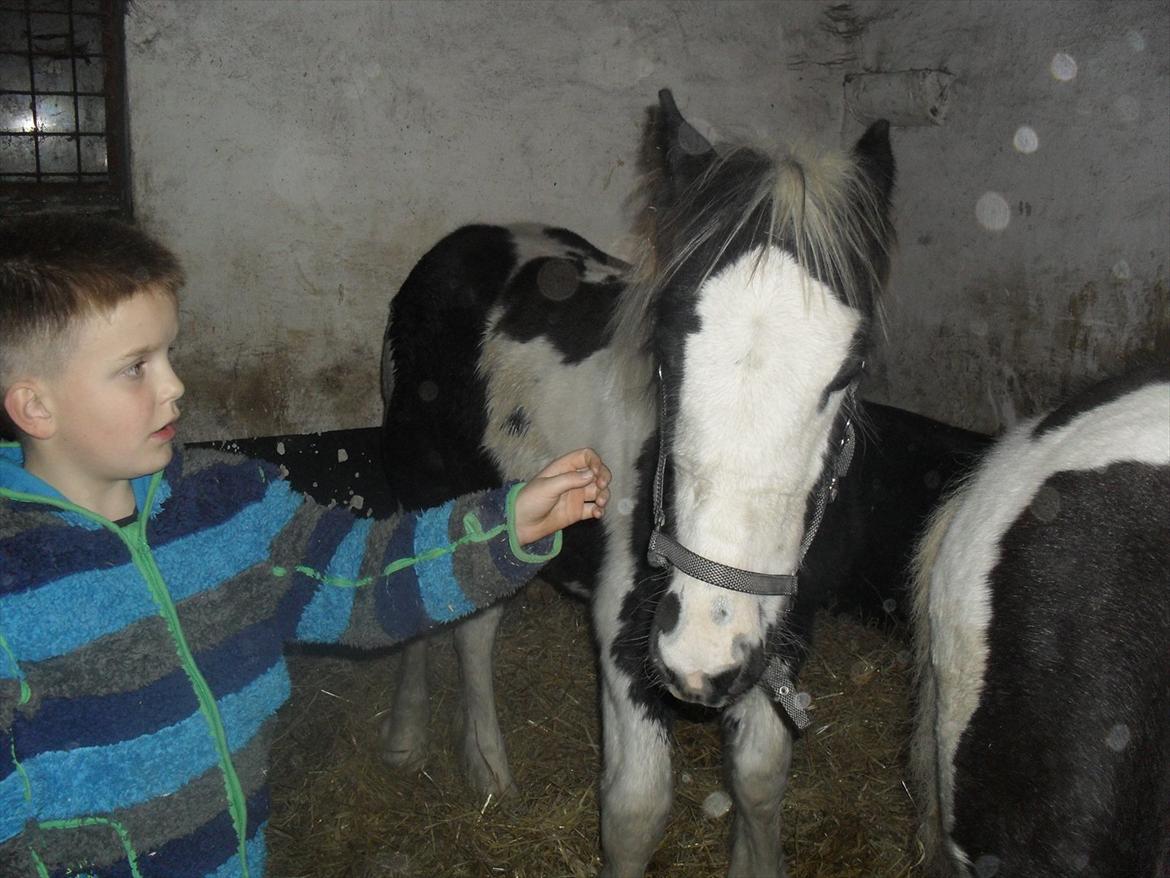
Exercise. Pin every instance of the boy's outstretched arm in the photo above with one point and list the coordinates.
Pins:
(379, 582)
(574, 487)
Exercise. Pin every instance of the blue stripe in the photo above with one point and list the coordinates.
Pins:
(330, 530)
(327, 616)
(39, 555)
(96, 780)
(210, 497)
(441, 595)
(400, 609)
(69, 723)
(213, 847)
(117, 597)
(257, 854)
(203, 560)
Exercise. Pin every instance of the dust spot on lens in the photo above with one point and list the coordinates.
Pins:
(1063, 67)
(1045, 506)
(992, 212)
(1118, 738)
(557, 279)
(1025, 139)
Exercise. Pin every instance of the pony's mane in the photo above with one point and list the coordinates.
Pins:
(819, 206)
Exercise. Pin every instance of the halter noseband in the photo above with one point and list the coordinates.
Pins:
(664, 550)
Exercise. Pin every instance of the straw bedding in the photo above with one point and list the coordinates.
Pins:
(338, 812)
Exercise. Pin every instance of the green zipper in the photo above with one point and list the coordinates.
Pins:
(144, 560)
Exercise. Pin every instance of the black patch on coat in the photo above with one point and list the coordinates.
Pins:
(549, 298)
(667, 613)
(433, 442)
(1064, 768)
(1101, 394)
(629, 648)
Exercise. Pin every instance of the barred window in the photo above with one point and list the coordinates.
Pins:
(62, 106)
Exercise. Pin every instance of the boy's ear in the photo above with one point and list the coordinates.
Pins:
(26, 407)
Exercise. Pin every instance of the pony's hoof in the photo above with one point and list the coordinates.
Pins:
(486, 780)
(400, 749)
(406, 759)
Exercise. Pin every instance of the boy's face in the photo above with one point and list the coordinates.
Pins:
(116, 400)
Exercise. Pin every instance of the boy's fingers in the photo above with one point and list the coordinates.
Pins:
(557, 485)
(587, 458)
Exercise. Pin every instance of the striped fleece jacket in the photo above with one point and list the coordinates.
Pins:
(141, 665)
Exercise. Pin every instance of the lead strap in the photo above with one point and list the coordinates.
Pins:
(778, 686)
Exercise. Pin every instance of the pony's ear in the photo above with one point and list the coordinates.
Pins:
(679, 151)
(876, 158)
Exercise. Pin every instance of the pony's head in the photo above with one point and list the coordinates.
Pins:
(758, 297)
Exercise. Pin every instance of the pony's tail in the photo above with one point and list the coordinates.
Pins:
(924, 744)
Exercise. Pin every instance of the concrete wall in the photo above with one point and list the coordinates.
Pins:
(300, 156)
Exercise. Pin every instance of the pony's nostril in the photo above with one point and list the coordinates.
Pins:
(743, 647)
(749, 653)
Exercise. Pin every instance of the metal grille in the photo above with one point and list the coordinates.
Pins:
(61, 105)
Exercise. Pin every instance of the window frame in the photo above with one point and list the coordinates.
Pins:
(112, 195)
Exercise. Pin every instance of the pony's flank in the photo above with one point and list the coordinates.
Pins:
(819, 207)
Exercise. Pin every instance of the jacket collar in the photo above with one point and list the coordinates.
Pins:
(16, 479)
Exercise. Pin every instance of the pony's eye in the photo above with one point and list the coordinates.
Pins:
(850, 371)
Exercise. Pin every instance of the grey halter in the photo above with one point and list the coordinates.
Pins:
(664, 550)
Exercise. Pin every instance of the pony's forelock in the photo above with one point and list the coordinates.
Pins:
(818, 205)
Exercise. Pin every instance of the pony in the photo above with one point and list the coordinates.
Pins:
(716, 377)
(1041, 743)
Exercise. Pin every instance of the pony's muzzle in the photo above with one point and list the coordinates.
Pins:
(708, 688)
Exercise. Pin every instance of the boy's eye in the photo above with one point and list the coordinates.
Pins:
(135, 370)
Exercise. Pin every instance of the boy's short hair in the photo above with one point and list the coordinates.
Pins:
(56, 268)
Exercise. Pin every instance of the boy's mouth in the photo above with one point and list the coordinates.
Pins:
(166, 434)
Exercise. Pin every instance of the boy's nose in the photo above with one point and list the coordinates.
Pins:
(173, 388)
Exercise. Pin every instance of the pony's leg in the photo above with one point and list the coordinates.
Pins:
(482, 753)
(403, 734)
(758, 748)
(636, 783)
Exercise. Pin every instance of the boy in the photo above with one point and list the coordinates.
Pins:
(145, 597)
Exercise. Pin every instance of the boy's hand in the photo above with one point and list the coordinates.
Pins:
(572, 488)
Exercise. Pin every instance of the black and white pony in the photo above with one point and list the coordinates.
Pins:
(715, 377)
(1042, 740)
